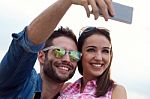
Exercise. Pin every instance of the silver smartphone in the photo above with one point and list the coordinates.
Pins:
(123, 13)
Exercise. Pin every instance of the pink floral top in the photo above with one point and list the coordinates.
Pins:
(72, 91)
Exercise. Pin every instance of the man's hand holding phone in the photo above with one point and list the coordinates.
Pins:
(105, 6)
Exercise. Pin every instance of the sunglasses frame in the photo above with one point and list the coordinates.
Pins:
(56, 47)
(90, 28)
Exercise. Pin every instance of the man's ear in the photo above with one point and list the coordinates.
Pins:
(41, 57)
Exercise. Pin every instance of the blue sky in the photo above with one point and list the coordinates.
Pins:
(131, 43)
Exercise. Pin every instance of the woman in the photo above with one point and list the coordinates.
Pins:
(95, 45)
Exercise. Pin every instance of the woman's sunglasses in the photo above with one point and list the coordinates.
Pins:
(90, 28)
(59, 52)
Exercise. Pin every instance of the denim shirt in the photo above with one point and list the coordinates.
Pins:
(18, 78)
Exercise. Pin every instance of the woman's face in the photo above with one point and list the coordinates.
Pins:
(96, 56)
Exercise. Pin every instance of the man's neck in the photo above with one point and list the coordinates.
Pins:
(50, 88)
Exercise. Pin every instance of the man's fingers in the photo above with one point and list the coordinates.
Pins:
(110, 7)
(105, 6)
(95, 9)
(104, 10)
(87, 9)
(84, 3)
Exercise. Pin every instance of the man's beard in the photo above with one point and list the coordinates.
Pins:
(50, 72)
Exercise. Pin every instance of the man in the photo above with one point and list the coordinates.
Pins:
(58, 59)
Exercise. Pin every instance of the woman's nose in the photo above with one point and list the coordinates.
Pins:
(98, 56)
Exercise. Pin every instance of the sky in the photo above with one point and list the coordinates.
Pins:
(131, 43)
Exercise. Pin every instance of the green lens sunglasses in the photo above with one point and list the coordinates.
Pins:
(59, 52)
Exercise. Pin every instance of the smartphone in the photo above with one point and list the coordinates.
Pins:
(123, 13)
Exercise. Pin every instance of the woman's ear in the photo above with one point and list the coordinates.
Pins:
(41, 57)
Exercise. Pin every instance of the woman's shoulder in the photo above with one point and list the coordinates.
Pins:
(119, 92)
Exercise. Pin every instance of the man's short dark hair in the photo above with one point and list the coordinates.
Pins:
(66, 32)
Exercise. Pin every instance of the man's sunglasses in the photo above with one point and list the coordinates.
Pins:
(59, 52)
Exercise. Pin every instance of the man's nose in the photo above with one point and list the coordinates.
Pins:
(66, 57)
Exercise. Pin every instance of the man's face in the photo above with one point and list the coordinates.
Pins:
(60, 69)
